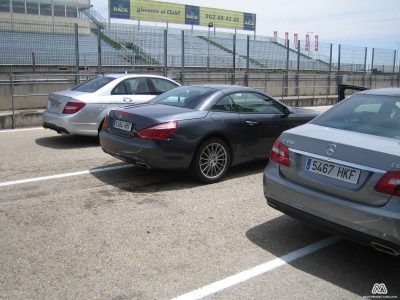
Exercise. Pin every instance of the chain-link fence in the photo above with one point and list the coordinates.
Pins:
(90, 44)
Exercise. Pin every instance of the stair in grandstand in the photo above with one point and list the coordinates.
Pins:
(94, 16)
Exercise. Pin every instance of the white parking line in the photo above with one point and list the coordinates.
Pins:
(57, 176)
(256, 271)
(21, 129)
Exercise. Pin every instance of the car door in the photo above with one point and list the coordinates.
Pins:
(262, 121)
(131, 91)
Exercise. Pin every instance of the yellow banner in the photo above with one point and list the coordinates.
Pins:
(221, 18)
(157, 11)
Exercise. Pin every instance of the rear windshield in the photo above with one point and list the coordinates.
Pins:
(93, 85)
(187, 97)
(370, 114)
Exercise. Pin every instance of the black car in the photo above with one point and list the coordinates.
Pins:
(205, 128)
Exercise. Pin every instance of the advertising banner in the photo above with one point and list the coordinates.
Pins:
(307, 45)
(296, 40)
(158, 11)
(316, 43)
(275, 34)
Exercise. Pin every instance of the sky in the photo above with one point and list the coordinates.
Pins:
(366, 23)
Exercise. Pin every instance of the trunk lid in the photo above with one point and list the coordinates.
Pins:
(339, 162)
(57, 101)
(142, 116)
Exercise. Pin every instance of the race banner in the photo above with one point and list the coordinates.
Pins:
(275, 34)
(296, 40)
(157, 11)
(316, 47)
(307, 45)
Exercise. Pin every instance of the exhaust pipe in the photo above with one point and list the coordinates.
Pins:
(386, 249)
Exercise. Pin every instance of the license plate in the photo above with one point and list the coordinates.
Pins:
(127, 126)
(333, 170)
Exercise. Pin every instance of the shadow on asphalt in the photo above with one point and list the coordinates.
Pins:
(140, 180)
(348, 265)
(64, 142)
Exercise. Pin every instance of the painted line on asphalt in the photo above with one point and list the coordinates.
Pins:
(21, 129)
(256, 271)
(57, 176)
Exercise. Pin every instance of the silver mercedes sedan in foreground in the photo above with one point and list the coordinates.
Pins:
(82, 109)
(341, 171)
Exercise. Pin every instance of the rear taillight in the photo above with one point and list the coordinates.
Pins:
(73, 107)
(280, 153)
(106, 123)
(389, 183)
(158, 132)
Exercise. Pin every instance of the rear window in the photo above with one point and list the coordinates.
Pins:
(93, 84)
(187, 97)
(370, 114)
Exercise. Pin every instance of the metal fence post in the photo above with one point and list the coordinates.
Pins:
(365, 66)
(394, 67)
(165, 53)
(33, 62)
(77, 79)
(330, 70)
(100, 68)
(12, 101)
(287, 68)
(234, 60)
(247, 62)
(372, 61)
(183, 58)
(339, 53)
(298, 71)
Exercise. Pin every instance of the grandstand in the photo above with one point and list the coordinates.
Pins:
(43, 33)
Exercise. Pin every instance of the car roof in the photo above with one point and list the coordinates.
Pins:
(382, 92)
(120, 75)
(227, 88)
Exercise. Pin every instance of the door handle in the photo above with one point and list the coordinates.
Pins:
(251, 123)
(127, 99)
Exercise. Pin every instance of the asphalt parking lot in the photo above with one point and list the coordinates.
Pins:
(76, 223)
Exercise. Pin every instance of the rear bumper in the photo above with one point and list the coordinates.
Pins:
(362, 223)
(69, 124)
(167, 154)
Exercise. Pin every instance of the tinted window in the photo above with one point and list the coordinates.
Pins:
(256, 103)
(188, 97)
(162, 85)
(119, 89)
(18, 7)
(5, 5)
(59, 10)
(93, 85)
(32, 8)
(376, 115)
(137, 86)
(45, 9)
(225, 104)
(71, 12)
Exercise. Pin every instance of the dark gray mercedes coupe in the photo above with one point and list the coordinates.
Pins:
(204, 128)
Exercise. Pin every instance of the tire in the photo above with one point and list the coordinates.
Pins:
(211, 161)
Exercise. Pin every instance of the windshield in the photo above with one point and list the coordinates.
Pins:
(370, 114)
(93, 85)
(187, 97)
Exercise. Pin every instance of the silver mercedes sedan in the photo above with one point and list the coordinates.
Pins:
(341, 171)
(82, 109)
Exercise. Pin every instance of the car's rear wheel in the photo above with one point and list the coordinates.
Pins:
(211, 161)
